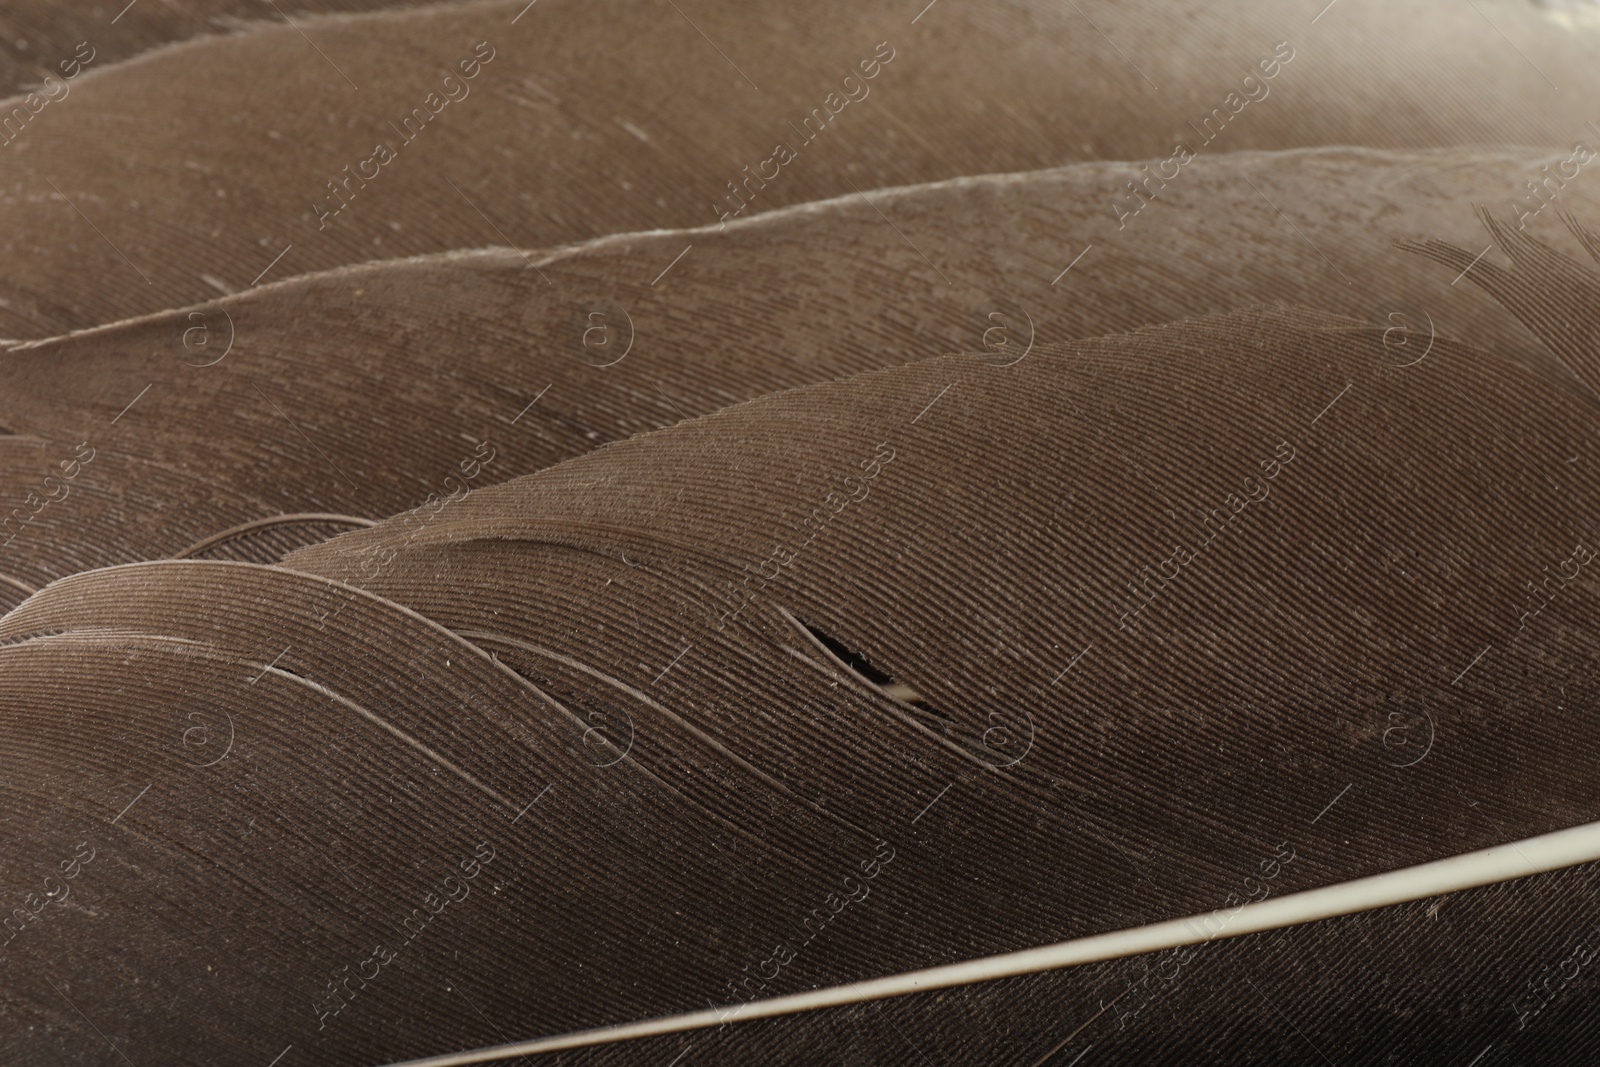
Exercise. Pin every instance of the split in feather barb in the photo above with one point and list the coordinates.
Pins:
(1555, 297)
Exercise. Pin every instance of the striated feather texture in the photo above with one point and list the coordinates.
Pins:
(358, 393)
(163, 180)
(673, 532)
(848, 655)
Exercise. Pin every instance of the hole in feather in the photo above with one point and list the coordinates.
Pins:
(857, 664)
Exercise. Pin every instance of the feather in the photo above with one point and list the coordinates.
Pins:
(587, 673)
(359, 392)
(62, 42)
(1554, 296)
(1492, 974)
(570, 129)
